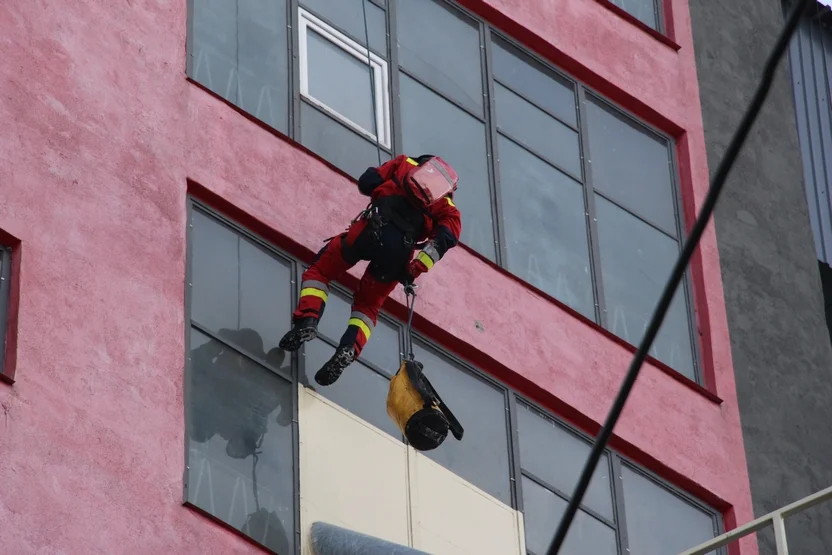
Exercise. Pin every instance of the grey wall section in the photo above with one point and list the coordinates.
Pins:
(810, 59)
(780, 345)
(328, 539)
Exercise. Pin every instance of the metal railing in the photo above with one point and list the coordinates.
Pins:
(775, 519)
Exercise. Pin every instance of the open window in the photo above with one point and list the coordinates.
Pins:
(341, 77)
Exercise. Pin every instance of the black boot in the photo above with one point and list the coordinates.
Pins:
(331, 371)
(303, 330)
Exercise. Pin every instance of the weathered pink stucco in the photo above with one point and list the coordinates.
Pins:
(100, 133)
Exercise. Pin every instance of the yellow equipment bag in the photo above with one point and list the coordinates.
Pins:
(418, 411)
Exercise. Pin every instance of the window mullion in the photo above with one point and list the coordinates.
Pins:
(515, 469)
(492, 155)
(293, 19)
(687, 279)
(618, 504)
(591, 214)
(297, 279)
(395, 95)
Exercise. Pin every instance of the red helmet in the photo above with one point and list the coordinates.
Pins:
(433, 180)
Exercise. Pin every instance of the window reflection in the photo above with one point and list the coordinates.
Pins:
(240, 466)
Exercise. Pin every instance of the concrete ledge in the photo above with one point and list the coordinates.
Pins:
(334, 540)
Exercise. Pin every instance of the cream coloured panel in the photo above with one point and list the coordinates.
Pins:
(351, 474)
(451, 516)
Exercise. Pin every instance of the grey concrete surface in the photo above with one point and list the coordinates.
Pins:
(780, 343)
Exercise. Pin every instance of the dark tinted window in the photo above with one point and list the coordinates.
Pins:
(431, 124)
(359, 390)
(337, 144)
(542, 511)
(441, 46)
(630, 165)
(557, 456)
(340, 80)
(660, 522)
(383, 349)
(240, 447)
(482, 455)
(240, 51)
(347, 15)
(238, 285)
(636, 260)
(645, 11)
(537, 130)
(533, 81)
(545, 227)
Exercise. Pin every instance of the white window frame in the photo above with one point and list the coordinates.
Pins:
(380, 75)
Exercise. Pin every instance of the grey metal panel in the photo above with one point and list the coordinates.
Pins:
(811, 70)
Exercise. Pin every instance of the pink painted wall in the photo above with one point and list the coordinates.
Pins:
(101, 130)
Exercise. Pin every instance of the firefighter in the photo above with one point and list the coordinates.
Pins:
(411, 208)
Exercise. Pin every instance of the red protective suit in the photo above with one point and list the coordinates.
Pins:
(387, 235)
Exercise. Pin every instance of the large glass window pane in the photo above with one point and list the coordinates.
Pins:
(556, 456)
(533, 81)
(432, 125)
(383, 349)
(348, 16)
(542, 511)
(643, 10)
(335, 143)
(636, 260)
(442, 47)
(241, 460)
(482, 456)
(335, 318)
(660, 522)
(238, 285)
(538, 130)
(630, 165)
(545, 227)
(240, 51)
(340, 80)
(359, 390)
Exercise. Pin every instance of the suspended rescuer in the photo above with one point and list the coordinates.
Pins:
(411, 208)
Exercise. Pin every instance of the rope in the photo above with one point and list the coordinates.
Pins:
(372, 87)
(690, 245)
(410, 291)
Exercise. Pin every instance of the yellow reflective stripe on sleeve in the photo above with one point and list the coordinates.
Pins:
(412, 162)
(451, 202)
(310, 292)
(425, 259)
(357, 322)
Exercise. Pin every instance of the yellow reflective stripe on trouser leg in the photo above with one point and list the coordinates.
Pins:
(425, 259)
(312, 292)
(359, 323)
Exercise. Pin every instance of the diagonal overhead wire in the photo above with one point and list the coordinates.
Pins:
(717, 184)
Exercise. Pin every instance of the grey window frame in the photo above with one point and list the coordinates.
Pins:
(308, 20)
(192, 206)
(512, 398)
(488, 118)
(5, 289)
(658, 10)
(615, 461)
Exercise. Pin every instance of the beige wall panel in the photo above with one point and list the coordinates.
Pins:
(453, 517)
(351, 474)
